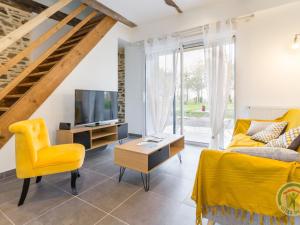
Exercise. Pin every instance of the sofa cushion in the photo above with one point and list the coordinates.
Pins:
(282, 154)
(243, 140)
(257, 126)
(271, 132)
(286, 139)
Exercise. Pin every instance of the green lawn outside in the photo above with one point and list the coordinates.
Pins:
(193, 109)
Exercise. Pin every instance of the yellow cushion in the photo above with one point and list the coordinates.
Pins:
(243, 140)
(59, 154)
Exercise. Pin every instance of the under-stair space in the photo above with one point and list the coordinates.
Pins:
(31, 87)
(42, 69)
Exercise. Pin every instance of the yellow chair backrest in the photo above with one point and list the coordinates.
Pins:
(31, 136)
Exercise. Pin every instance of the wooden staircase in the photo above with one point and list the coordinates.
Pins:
(24, 94)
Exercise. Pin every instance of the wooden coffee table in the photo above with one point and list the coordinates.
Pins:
(145, 158)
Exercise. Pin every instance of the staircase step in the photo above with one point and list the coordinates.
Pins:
(89, 25)
(37, 74)
(48, 64)
(57, 55)
(14, 96)
(3, 108)
(79, 34)
(73, 40)
(27, 84)
(66, 47)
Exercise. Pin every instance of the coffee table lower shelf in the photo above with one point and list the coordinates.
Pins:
(145, 176)
(144, 160)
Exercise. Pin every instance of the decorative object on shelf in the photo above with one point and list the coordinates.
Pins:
(64, 126)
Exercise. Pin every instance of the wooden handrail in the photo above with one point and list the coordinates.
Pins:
(31, 24)
(11, 85)
(41, 39)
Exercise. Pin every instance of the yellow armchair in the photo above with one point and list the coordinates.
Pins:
(36, 158)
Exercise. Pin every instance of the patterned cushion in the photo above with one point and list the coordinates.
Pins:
(285, 140)
(273, 131)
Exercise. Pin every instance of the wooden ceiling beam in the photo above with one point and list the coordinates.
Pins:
(173, 4)
(36, 7)
(107, 11)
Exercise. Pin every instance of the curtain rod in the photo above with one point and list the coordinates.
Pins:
(199, 30)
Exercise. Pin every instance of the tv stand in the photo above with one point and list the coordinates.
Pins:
(92, 125)
(93, 137)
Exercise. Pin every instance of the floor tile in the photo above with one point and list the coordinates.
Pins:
(11, 189)
(107, 168)
(134, 177)
(109, 194)
(39, 199)
(86, 180)
(188, 200)
(148, 208)
(3, 220)
(187, 169)
(109, 220)
(171, 187)
(72, 212)
(96, 156)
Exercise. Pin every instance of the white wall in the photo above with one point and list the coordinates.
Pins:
(134, 88)
(98, 70)
(200, 16)
(268, 70)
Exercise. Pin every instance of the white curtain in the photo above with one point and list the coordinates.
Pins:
(219, 48)
(161, 68)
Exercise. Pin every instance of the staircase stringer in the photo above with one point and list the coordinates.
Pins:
(36, 95)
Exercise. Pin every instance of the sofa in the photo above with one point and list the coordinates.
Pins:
(241, 139)
(221, 173)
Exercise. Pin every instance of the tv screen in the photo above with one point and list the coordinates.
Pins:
(95, 106)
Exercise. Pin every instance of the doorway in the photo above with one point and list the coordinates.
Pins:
(191, 114)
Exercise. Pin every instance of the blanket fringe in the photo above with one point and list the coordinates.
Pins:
(244, 217)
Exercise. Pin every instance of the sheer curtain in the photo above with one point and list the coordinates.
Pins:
(161, 68)
(219, 48)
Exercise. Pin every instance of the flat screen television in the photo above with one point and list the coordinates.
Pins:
(95, 107)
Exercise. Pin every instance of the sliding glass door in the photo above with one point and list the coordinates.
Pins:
(190, 113)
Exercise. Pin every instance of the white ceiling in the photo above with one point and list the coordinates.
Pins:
(143, 11)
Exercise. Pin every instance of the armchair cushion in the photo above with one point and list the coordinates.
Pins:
(60, 154)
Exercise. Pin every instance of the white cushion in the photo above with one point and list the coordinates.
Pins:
(282, 154)
(257, 126)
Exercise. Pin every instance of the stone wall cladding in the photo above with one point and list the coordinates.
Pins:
(10, 19)
(121, 85)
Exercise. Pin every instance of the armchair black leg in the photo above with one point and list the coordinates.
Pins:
(38, 179)
(74, 176)
(24, 191)
(78, 173)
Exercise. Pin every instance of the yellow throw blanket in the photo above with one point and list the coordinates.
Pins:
(241, 182)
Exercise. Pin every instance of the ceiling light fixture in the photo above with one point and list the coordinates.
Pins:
(296, 43)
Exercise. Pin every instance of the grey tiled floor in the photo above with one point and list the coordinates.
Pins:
(104, 201)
